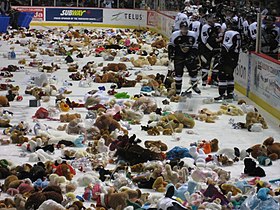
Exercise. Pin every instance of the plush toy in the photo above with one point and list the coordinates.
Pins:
(75, 127)
(226, 188)
(251, 169)
(273, 148)
(233, 153)
(51, 204)
(65, 169)
(106, 122)
(117, 200)
(159, 184)
(202, 174)
(39, 155)
(264, 160)
(231, 110)
(159, 43)
(61, 182)
(19, 202)
(262, 200)
(268, 148)
(214, 145)
(37, 198)
(69, 117)
(8, 181)
(253, 118)
(139, 62)
(213, 193)
(168, 202)
(224, 160)
(4, 101)
(223, 175)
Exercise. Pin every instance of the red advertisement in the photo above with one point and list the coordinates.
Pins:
(151, 18)
(39, 12)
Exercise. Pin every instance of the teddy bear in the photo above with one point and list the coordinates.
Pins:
(226, 188)
(69, 117)
(214, 143)
(231, 109)
(7, 203)
(7, 183)
(18, 138)
(20, 201)
(152, 59)
(159, 43)
(37, 198)
(268, 148)
(64, 169)
(159, 184)
(74, 127)
(253, 118)
(117, 200)
(224, 160)
(65, 185)
(251, 168)
(223, 175)
(4, 102)
(139, 62)
(106, 122)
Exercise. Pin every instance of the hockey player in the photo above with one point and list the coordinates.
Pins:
(182, 50)
(181, 16)
(210, 46)
(228, 61)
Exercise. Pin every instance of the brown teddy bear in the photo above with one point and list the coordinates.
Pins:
(74, 127)
(159, 43)
(152, 59)
(268, 148)
(106, 77)
(8, 181)
(107, 122)
(255, 117)
(69, 117)
(17, 137)
(139, 62)
(214, 143)
(117, 200)
(37, 198)
(4, 101)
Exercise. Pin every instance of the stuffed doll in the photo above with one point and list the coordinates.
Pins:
(168, 203)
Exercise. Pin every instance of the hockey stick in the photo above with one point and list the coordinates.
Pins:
(212, 66)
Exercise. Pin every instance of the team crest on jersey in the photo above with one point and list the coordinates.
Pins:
(184, 47)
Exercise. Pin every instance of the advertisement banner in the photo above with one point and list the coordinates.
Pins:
(74, 15)
(39, 13)
(241, 72)
(165, 24)
(125, 17)
(152, 18)
(265, 80)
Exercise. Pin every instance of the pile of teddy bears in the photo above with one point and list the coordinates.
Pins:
(72, 145)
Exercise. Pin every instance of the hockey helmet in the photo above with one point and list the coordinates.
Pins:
(233, 24)
(184, 24)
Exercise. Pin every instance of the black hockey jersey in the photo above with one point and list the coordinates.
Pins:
(184, 45)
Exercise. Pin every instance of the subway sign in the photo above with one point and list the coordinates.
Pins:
(74, 15)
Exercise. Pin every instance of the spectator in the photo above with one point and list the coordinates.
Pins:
(6, 9)
(126, 4)
(108, 3)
